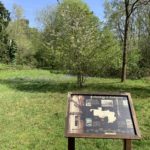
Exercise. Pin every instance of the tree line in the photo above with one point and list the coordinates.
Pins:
(73, 40)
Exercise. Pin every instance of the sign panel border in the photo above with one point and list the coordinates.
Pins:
(101, 135)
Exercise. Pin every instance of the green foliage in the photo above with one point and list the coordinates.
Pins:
(21, 33)
(114, 14)
(7, 49)
(4, 17)
(77, 42)
(134, 57)
(109, 56)
(139, 32)
(143, 23)
(78, 37)
(73, 40)
(145, 56)
(12, 49)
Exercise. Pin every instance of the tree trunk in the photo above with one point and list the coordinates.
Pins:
(125, 42)
(80, 80)
(124, 62)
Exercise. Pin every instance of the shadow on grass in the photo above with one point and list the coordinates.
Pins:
(46, 85)
(136, 91)
(38, 85)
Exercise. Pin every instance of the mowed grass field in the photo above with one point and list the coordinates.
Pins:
(33, 108)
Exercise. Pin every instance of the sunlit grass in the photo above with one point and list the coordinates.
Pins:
(33, 108)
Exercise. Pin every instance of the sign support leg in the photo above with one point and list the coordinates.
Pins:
(127, 144)
(71, 143)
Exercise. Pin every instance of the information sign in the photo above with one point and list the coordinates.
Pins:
(101, 116)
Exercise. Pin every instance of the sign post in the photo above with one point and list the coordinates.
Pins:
(127, 145)
(106, 116)
(71, 143)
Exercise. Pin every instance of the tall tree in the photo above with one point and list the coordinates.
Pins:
(47, 54)
(4, 17)
(77, 30)
(6, 45)
(76, 41)
(128, 12)
(130, 7)
(125, 19)
(19, 31)
(71, 32)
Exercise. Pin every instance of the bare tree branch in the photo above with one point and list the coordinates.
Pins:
(135, 5)
(133, 8)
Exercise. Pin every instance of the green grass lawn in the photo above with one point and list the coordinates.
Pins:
(33, 108)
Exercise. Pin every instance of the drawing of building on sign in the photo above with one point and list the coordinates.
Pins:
(76, 103)
(76, 124)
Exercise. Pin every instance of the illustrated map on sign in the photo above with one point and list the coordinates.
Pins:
(100, 115)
